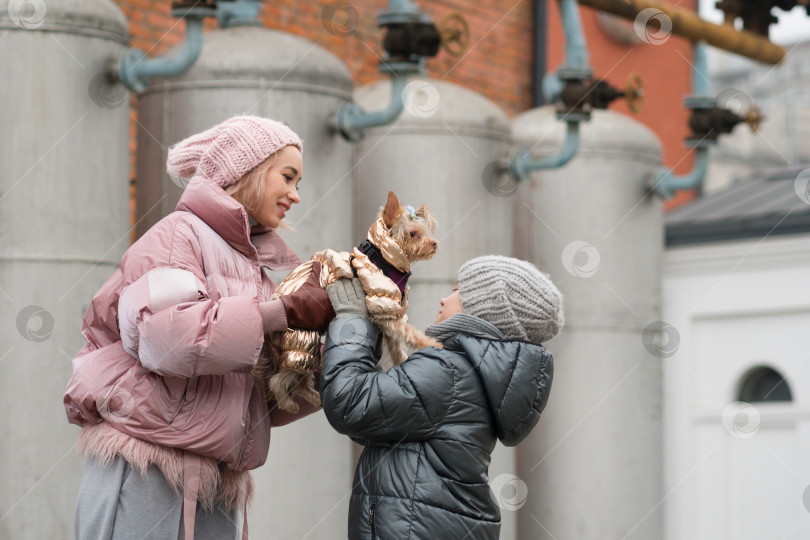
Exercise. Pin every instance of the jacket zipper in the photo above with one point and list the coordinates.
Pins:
(371, 521)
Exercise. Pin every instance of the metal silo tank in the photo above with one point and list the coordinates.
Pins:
(254, 70)
(64, 218)
(439, 152)
(593, 466)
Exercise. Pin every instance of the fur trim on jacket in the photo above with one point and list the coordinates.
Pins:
(218, 484)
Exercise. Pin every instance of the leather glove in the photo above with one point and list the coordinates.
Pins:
(309, 306)
(348, 298)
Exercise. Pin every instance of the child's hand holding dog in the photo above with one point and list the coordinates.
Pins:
(348, 298)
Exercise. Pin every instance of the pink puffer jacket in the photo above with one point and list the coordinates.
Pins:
(173, 335)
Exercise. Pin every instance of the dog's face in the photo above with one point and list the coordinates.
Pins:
(413, 232)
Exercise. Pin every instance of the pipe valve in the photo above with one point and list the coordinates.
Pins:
(708, 121)
(411, 41)
(411, 38)
(580, 97)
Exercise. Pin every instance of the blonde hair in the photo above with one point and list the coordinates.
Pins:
(249, 190)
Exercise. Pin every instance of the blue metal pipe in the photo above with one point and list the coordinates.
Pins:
(352, 121)
(665, 181)
(701, 86)
(576, 50)
(522, 165)
(135, 69)
(576, 66)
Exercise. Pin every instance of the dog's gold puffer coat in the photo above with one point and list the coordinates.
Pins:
(288, 369)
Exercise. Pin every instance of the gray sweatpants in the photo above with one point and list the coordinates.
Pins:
(118, 503)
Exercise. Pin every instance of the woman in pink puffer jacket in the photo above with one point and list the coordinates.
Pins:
(164, 384)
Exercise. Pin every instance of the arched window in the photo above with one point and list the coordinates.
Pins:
(764, 384)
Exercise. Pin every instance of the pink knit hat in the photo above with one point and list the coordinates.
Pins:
(227, 151)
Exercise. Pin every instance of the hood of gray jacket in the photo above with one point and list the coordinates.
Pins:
(504, 367)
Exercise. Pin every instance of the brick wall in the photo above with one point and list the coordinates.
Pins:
(497, 62)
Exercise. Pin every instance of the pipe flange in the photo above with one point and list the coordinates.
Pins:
(125, 72)
(699, 102)
(389, 18)
(347, 111)
(519, 164)
(200, 12)
(705, 142)
(567, 74)
(573, 116)
(402, 68)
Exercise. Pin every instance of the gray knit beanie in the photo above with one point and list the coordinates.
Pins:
(513, 295)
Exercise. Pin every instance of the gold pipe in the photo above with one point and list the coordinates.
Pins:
(687, 24)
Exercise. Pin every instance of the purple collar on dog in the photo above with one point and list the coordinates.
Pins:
(375, 256)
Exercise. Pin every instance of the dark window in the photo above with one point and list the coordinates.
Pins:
(764, 384)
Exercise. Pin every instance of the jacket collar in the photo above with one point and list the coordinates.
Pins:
(228, 218)
(379, 236)
(400, 279)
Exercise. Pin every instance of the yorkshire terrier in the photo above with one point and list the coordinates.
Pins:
(400, 236)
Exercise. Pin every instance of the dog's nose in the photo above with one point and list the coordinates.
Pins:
(435, 244)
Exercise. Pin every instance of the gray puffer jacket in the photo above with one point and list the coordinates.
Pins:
(429, 427)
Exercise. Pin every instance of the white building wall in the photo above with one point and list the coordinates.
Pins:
(732, 471)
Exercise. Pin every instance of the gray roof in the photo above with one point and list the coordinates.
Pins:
(764, 205)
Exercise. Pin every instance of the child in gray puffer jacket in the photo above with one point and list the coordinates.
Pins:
(429, 426)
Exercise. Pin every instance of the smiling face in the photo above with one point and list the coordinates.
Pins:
(280, 187)
(450, 306)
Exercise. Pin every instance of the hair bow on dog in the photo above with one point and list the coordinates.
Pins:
(412, 211)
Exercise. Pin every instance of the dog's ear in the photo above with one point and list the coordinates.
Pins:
(391, 210)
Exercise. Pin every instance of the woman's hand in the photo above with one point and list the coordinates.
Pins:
(309, 307)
